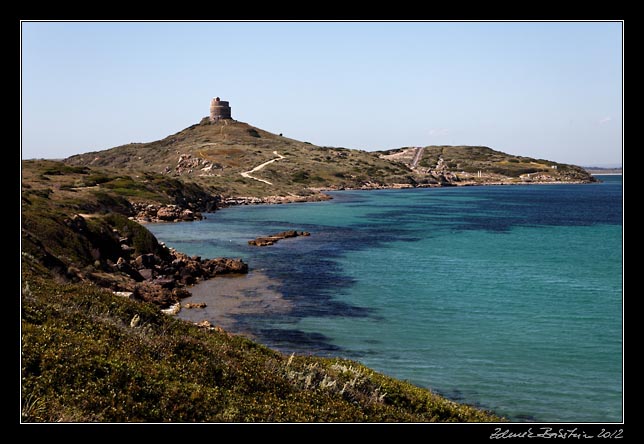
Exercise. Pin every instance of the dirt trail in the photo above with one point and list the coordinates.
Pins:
(417, 156)
(259, 167)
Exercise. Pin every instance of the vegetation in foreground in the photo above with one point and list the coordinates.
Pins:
(90, 355)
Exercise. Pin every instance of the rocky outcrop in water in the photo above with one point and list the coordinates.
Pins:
(270, 240)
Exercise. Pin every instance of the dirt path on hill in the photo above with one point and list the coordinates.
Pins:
(259, 167)
(417, 156)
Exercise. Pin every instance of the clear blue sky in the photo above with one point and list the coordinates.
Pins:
(547, 90)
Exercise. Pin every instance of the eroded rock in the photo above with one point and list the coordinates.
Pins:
(270, 240)
(165, 213)
(195, 305)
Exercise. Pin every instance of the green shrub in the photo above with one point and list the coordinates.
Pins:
(143, 241)
(106, 202)
(95, 179)
(61, 169)
(300, 176)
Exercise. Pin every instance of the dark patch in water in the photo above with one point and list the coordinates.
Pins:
(331, 308)
(292, 340)
(499, 209)
(310, 275)
(453, 394)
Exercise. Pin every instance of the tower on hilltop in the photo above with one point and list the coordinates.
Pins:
(219, 110)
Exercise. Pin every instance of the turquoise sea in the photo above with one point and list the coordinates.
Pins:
(505, 297)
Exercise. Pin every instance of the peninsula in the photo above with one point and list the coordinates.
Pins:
(240, 163)
(96, 345)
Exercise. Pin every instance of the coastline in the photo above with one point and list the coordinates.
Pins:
(145, 261)
(321, 196)
(127, 260)
(254, 309)
(240, 293)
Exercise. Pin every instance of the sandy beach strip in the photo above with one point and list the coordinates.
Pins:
(227, 297)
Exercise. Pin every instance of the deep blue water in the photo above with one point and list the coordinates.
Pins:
(505, 297)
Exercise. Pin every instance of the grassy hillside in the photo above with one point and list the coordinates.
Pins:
(54, 193)
(471, 165)
(89, 354)
(215, 156)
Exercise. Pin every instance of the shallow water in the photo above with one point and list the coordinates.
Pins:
(505, 297)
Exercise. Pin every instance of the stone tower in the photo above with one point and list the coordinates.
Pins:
(219, 110)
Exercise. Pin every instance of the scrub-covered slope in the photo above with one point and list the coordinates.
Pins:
(232, 159)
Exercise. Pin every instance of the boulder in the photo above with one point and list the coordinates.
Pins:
(187, 215)
(181, 293)
(192, 268)
(187, 279)
(168, 213)
(124, 267)
(165, 282)
(149, 292)
(223, 265)
(147, 273)
(148, 260)
(262, 241)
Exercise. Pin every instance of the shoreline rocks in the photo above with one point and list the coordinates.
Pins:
(272, 200)
(146, 213)
(264, 241)
(160, 275)
(162, 281)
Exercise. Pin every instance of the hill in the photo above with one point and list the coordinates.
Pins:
(232, 159)
(96, 345)
(97, 348)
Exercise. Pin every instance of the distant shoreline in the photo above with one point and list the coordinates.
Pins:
(320, 195)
